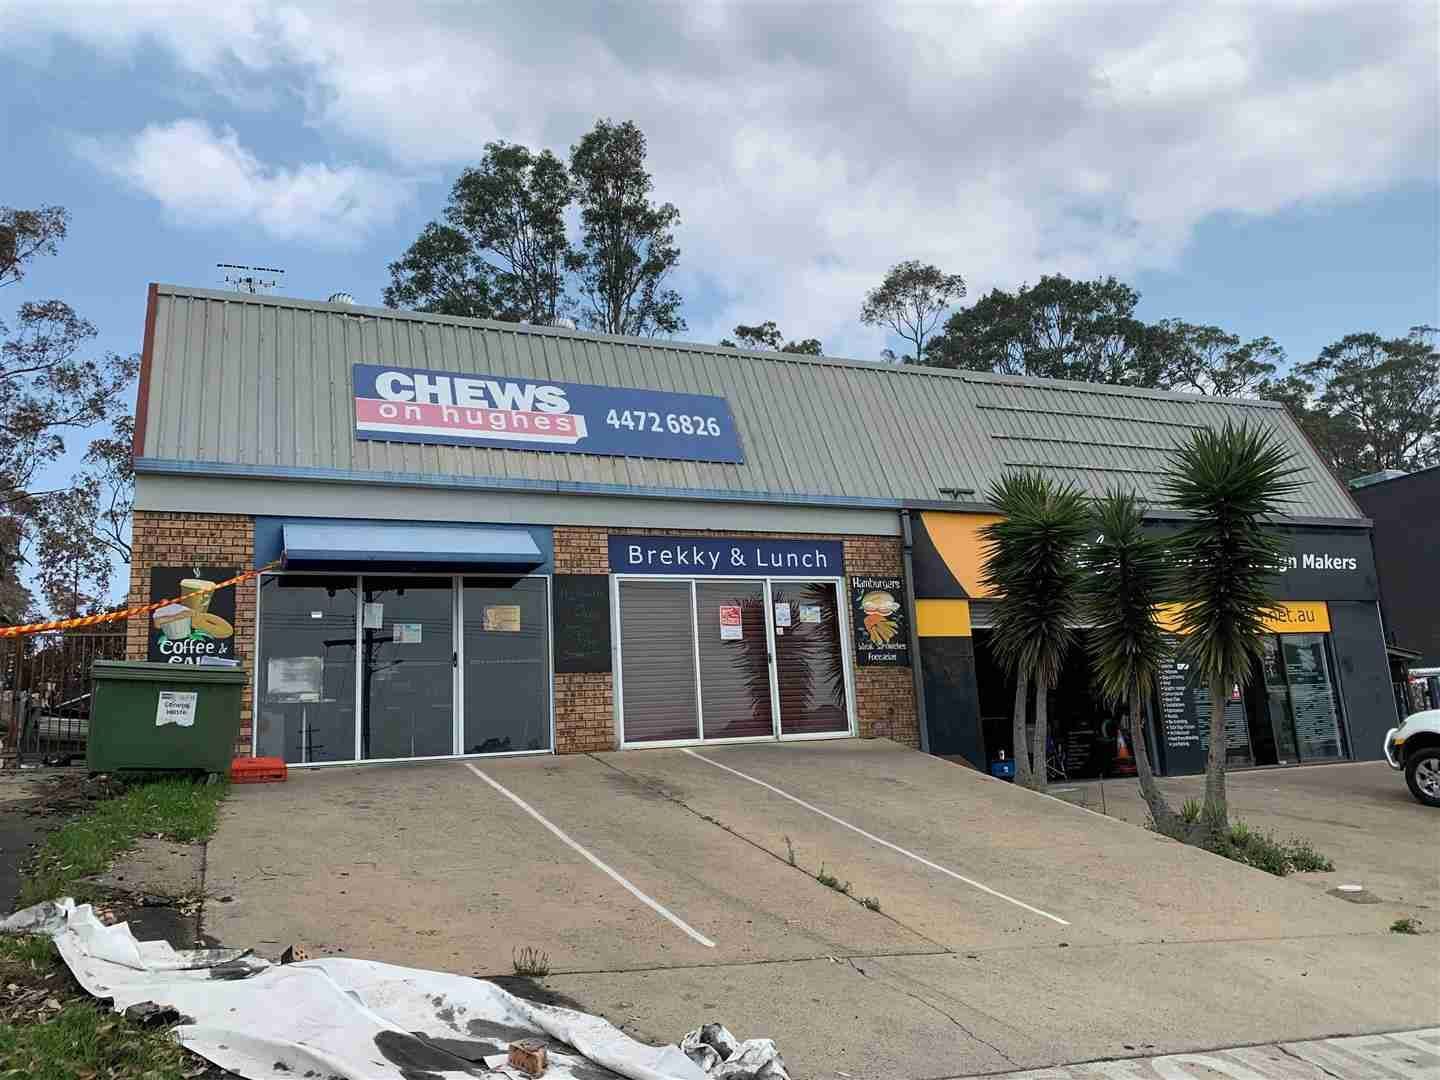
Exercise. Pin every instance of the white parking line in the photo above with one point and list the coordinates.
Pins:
(881, 841)
(654, 905)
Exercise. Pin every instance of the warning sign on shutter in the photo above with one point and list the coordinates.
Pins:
(176, 707)
(730, 627)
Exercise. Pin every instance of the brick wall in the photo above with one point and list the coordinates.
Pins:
(584, 709)
(183, 539)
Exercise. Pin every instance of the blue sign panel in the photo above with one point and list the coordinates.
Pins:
(698, 556)
(411, 405)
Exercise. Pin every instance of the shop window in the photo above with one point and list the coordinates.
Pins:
(407, 668)
(305, 700)
(506, 653)
(657, 671)
(734, 660)
(809, 659)
(1312, 696)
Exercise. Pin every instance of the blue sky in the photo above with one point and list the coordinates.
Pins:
(1270, 169)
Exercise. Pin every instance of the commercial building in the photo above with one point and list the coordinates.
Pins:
(484, 538)
(1405, 509)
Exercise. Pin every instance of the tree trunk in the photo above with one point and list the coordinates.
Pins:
(1040, 772)
(1160, 811)
(1021, 751)
(1216, 812)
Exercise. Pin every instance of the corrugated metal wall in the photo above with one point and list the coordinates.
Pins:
(265, 382)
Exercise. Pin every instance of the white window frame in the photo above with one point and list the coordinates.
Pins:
(842, 611)
(457, 671)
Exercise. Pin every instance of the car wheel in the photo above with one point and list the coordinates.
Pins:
(1422, 773)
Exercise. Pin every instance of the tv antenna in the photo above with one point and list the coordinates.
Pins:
(248, 279)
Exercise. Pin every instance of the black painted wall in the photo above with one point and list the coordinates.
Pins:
(952, 706)
(1365, 693)
(1406, 512)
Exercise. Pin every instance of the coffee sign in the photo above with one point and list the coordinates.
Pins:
(199, 627)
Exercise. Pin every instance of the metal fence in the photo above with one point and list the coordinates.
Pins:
(45, 692)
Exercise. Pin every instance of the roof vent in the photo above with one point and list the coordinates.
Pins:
(341, 298)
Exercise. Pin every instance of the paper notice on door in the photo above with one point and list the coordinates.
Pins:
(406, 633)
(730, 626)
(782, 613)
(502, 618)
(374, 617)
(176, 707)
(810, 613)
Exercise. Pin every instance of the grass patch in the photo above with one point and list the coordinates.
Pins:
(789, 851)
(171, 809)
(33, 953)
(830, 881)
(530, 961)
(1243, 844)
(1406, 925)
(51, 1030)
(81, 1041)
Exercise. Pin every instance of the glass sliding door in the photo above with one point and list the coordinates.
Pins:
(505, 649)
(657, 667)
(305, 680)
(407, 670)
(809, 658)
(735, 699)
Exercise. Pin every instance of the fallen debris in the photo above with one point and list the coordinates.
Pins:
(528, 1055)
(723, 1057)
(294, 954)
(354, 1019)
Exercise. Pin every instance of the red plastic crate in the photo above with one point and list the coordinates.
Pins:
(257, 770)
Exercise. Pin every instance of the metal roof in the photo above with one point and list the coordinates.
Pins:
(260, 385)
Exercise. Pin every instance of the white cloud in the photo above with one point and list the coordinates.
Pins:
(809, 147)
(205, 177)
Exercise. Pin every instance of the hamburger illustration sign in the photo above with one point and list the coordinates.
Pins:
(882, 632)
(397, 404)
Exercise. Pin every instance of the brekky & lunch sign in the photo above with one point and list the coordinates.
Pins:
(397, 404)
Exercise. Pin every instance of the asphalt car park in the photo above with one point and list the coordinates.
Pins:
(669, 887)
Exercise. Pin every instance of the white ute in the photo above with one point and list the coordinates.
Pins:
(1415, 747)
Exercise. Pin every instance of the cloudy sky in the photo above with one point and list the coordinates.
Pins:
(1271, 167)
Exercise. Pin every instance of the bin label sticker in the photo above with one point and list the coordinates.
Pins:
(176, 707)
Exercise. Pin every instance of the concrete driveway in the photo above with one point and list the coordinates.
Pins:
(672, 887)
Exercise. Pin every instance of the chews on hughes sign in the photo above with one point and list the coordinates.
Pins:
(713, 555)
(410, 405)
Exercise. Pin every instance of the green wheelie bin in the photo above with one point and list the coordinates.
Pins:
(146, 716)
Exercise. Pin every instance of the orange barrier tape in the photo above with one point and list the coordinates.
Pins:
(125, 613)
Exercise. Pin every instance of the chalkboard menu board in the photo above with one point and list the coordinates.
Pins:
(582, 622)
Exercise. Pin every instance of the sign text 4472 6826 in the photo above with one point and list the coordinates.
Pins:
(413, 405)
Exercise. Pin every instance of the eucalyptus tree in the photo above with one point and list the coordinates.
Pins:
(1032, 563)
(1124, 583)
(1232, 483)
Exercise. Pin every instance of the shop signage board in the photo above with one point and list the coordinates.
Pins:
(702, 556)
(582, 623)
(882, 628)
(200, 628)
(398, 404)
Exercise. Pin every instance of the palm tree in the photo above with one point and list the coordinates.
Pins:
(1231, 483)
(1126, 575)
(1031, 562)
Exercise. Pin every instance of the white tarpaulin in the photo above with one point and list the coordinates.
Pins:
(337, 1019)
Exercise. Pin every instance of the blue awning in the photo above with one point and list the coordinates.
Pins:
(369, 545)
